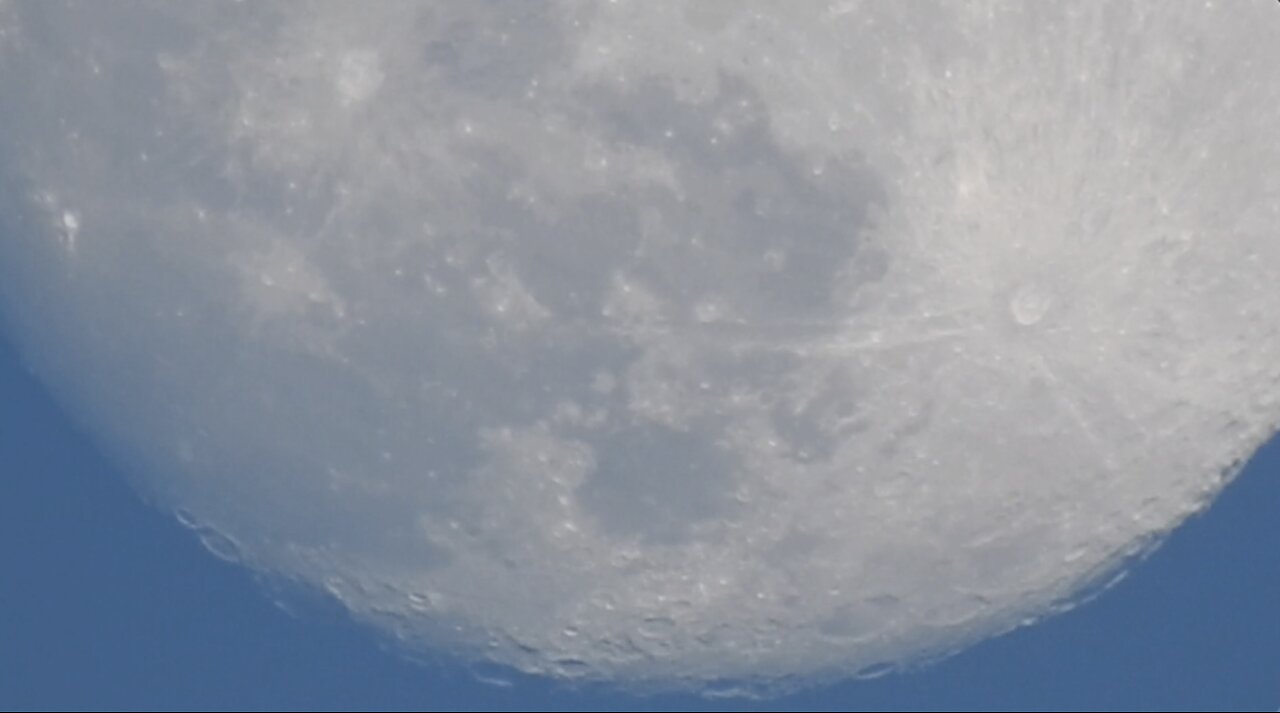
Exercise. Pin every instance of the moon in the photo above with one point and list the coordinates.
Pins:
(661, 344)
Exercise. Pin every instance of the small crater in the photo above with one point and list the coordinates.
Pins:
(219, 545)
(1029, 304)
(876, 670)
(359, 77)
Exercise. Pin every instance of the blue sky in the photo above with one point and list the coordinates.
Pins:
(108, 603)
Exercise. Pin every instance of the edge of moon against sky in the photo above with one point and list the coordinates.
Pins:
(656, 343)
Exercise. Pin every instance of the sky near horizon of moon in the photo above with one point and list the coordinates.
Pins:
(662, 344)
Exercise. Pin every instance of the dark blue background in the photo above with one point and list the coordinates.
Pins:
(107, 603)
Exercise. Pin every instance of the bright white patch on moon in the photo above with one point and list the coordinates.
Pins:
(657, 342)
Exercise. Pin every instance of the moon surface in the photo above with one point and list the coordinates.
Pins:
(665, 344)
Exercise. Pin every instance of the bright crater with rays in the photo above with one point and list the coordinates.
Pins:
(661, 343)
